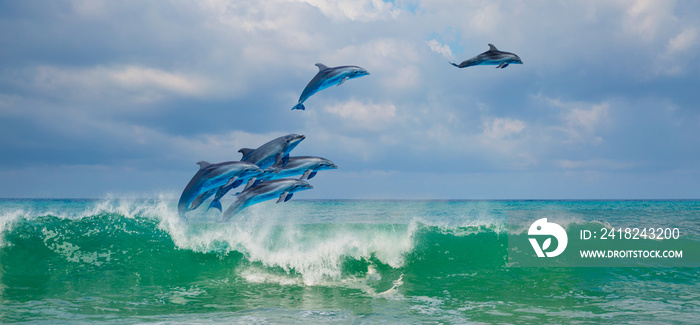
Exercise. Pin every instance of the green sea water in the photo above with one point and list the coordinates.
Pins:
(136, 261)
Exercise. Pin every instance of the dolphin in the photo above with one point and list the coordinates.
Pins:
(283, 189)
(327, 77)
(272, 152)
(211, 176)
(306, 166)
(491, 57)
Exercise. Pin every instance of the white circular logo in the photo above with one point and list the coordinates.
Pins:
(542, 227)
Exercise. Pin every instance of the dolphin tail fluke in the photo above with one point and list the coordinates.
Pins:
(215, 204)
(299, 106)
(454, 64)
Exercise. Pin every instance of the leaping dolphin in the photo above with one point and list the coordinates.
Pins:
(327, 77)
(283, 189)
(272, 152)
(306, 166)
(211, 176)
(491, 57)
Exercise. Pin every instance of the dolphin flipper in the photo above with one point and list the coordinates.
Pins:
(251, 183)
(306, 174)
(342, 81)
(283, 197)
(502, 65)
(289, 197)
(231, 181)
(312, 175)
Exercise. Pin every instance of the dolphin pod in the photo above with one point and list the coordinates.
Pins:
(491, 57)
(327, 77)
(266, 171)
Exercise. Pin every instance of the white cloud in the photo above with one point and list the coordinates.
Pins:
(369, 116)
(137, 83)
(360, 10)
(439, 48)
(588, 118)
(580, 120)
(499, 128)
(646, 18)
(133, 77)
(683, 41)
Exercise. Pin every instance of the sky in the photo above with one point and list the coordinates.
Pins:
(122, 98)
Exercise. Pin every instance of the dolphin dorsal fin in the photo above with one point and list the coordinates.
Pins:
(492, 47)
(203, 164)
(321, 66)
(246, 152)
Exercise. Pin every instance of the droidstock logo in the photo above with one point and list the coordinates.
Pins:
(542, 227)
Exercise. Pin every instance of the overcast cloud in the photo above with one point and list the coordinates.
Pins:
(100, 97)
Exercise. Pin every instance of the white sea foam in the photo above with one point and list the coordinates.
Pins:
(262, 236)
(7, 219)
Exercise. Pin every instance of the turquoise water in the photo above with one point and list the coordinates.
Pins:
(136, 261)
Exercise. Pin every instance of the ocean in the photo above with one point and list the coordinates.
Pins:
(126, 261)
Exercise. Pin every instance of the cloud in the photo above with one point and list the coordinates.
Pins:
(444, 50)
(499, 128)
(360, 10)
(141, 84)
(580, 120)
(645, 18)
(683, 41)
(368, 115)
